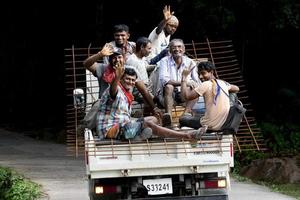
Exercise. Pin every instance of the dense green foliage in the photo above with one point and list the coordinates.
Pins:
(14, 186)
(5, 181)
(282, 139)
(245, 158)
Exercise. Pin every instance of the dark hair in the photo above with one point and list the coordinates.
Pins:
(130, 71)
(121, 28)
(141, 42)
(115, 53)
(208, 66)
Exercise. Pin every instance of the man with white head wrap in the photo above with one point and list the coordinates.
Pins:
(160, 39)
(160, 36)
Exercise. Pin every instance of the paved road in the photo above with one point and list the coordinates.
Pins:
(63, 177)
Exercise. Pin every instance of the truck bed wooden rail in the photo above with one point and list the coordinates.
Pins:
(207, 145)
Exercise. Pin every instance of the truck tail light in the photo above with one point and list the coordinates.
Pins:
(99, 189)
(222, 183)
(215, 183)
(107, 189)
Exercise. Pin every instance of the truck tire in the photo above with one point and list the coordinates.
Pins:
(90, 187)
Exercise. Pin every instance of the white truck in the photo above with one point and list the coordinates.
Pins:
(158, 168)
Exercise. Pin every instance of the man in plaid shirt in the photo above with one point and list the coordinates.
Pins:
(115, 108)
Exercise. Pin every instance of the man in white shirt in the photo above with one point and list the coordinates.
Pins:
(160, 39)
(160, 36)
(138, 61)
(170, 70)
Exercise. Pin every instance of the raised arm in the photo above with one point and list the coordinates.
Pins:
(113, 90)
(186, 93)
(90, 62)
(167, 15)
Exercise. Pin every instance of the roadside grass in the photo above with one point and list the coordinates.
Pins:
(289, 189)
(14, 186)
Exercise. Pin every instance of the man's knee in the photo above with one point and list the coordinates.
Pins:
(168, 90)
(149, 121)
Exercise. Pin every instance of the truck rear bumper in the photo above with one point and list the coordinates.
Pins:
(214, 197)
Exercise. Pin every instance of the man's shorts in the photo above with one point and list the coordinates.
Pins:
(132, 129)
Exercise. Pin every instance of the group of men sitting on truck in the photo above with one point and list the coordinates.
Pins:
(123, 76)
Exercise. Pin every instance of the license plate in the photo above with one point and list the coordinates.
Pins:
(158, 186)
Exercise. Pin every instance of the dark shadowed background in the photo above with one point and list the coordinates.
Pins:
(34, 36)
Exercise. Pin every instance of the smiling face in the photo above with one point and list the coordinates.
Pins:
(128, 81)
(205, 75)
(117, 59)
(206, 71)
(121, 38)
(177, 48)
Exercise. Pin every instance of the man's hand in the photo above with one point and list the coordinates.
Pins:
(185, 73)
(120, 69)
(167, 12)
(107, 50)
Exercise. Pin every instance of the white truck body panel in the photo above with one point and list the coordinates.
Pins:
(146, 159)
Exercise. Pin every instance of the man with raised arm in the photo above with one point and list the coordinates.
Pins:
(114, 119)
